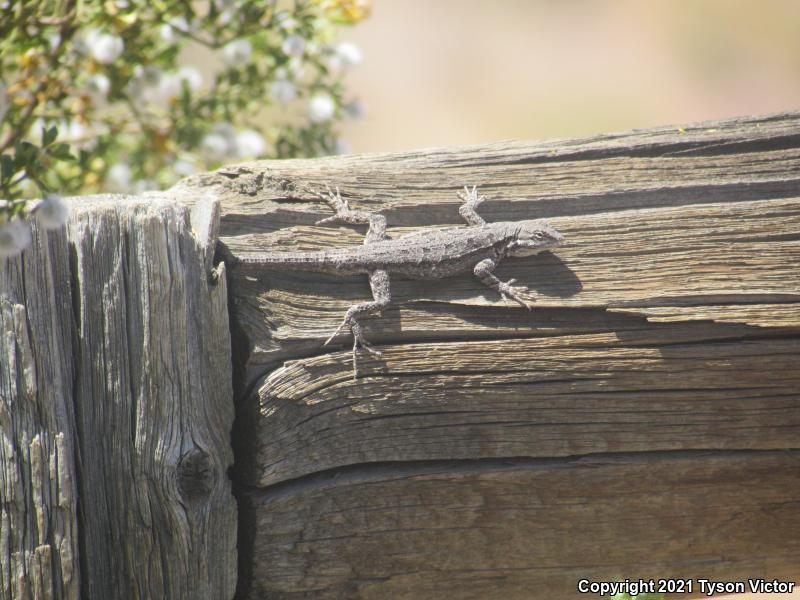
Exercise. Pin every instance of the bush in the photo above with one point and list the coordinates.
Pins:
(103, 96)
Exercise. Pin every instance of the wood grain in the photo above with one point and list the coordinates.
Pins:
(39, 541)
(663, 344)
(155, 403)
(525, 528)
(554, 396)
(686, 219)
(117, 407)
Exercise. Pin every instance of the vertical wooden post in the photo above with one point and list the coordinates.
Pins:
(116, 371)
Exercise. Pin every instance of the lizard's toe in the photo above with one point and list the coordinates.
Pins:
(364, 344)
(335, 333)
(514, 293)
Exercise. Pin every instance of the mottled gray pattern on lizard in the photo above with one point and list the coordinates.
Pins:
(426, 254)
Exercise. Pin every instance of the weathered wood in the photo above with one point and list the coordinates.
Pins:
(526, 528)
(668, 324)
(555, 396)
(140, 329)
(39, 556)
(691, 218)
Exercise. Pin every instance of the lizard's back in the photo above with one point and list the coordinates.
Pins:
(427, 254)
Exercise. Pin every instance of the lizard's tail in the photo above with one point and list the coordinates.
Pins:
(305, 261)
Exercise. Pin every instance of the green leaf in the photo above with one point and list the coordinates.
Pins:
(7, 168)
(25, 154)
(49, 135)
(61, 151)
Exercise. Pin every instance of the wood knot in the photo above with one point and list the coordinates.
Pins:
(195, 475)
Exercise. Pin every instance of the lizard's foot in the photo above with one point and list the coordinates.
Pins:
(360, 342)
(340, 207)
(470, 196)
(513, 292)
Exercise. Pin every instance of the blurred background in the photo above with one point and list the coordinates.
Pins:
(449, 72)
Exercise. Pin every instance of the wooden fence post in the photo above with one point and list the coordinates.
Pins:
(116, 407)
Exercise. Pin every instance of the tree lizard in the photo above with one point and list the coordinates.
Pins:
(426, 254)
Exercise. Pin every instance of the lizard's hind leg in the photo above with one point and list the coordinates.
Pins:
(344, 214)
(379, 282)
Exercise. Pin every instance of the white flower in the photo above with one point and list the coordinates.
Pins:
(181, 24)
(335, 64)
(162, 88)
(105, 48)
(296, 67)
(51, 212)
(15, 236)
(225, 17)
(191, 76)
(321, 108)
(250, 144)
(215, 146)
(168, 88)
(99, 86)
(148, 75)
(283, 91)
(350, 54)
(74, 131)
(285, 21)
(236, 52)
(145, 185)
(220, 143)
(342, 57)
(167, 33)
(118, 178)
(184, 167)
(76, 134)
(294, 45)
(312, 48)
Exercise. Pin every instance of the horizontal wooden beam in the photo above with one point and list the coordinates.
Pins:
(526, 528)
(640, 421)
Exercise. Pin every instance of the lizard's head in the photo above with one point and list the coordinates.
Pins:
(533, 237)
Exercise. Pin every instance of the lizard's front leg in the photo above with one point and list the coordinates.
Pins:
(379, 282)
(484, 271)
(471, 201)
(344, 214)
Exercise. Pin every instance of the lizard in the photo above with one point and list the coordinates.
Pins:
(426, 254)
